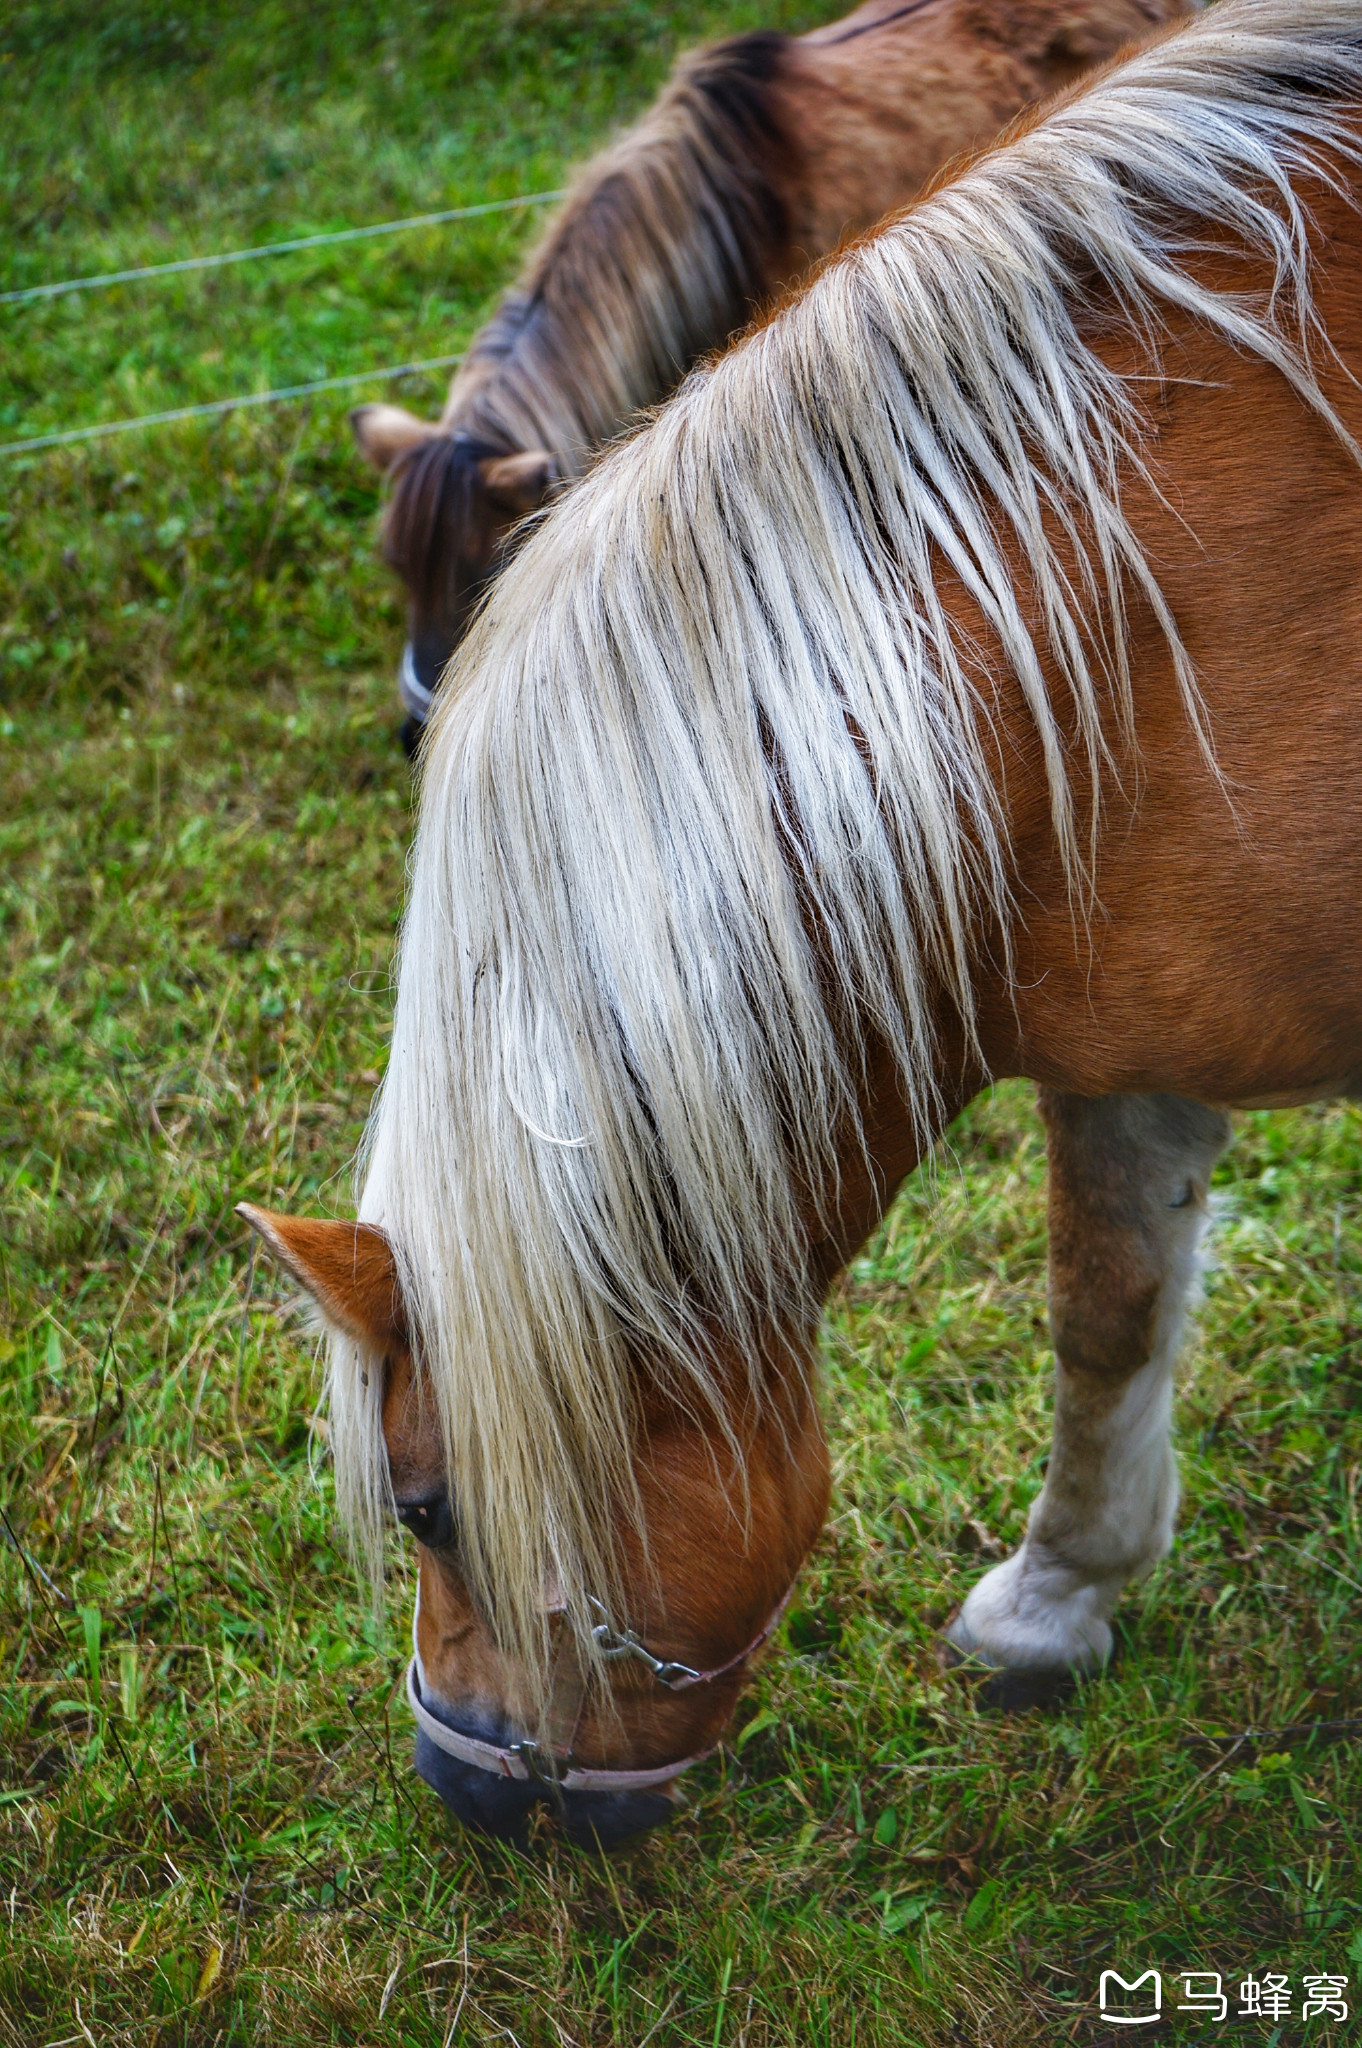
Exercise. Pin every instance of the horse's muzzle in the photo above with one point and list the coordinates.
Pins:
(502, 1806)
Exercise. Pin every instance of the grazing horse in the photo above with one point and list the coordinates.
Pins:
(760, 155)
(960, 678)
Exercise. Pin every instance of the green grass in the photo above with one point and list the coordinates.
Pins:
(210, 1830)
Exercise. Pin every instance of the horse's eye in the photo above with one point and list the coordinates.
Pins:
(430, 1520)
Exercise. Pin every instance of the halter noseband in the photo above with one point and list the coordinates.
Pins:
(416, 697)
(553, 1768)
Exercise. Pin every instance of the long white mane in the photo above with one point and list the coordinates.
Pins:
(716, 708)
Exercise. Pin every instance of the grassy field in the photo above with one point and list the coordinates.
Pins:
(210, 1832)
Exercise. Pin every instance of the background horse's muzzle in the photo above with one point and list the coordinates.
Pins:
(418, 679)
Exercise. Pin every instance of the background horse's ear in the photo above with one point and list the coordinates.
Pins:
(347, 1268)
(383, 432)
(519, 483)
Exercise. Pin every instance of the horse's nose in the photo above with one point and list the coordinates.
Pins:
(431, 1520)
(480, 1799)
(501, 1806)
(599, 1820)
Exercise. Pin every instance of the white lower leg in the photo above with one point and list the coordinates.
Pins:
(1105, 1514)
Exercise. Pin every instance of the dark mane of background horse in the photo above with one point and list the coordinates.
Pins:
(759, 155)
(736, 165)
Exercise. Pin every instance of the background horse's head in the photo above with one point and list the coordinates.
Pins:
(630, 1693)
(455, 500)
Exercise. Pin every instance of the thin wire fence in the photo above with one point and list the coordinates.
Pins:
(33, 443)
(221, 405)
(216, 262)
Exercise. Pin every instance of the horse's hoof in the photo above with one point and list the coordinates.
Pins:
(1006, 1692)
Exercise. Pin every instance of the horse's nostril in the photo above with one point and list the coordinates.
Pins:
(431, 1520)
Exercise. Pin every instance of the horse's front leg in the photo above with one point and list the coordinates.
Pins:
(1128, 1210)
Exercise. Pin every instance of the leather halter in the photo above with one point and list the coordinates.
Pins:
(554, 1768)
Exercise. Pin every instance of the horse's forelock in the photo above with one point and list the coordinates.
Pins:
(436, 487)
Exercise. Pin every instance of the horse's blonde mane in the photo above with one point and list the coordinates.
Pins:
(717, 704)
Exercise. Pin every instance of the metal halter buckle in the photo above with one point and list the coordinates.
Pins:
(541, 1764)
(615, 1644)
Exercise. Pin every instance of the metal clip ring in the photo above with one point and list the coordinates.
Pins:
(535, 1760)
(674, 1676)
(614, 1644)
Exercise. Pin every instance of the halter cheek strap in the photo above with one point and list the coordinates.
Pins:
(528, 1760)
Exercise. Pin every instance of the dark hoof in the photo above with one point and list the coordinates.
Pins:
(1016, 1692)
(410, 736)
(1007, 1692)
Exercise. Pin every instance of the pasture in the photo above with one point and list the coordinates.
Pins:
(211, 1831)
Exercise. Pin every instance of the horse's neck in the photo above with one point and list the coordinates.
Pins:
(668, 242)
(1171, 976)
(896, 1141)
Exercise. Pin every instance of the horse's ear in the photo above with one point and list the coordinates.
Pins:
(383, 432)
(347, 1268)
(519, 483)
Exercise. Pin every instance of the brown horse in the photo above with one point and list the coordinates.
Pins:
(960, 678)
(760, 155)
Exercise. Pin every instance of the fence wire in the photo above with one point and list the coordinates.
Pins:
(382, 227)
(220, 405)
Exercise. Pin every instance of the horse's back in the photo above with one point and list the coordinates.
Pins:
(887, 95)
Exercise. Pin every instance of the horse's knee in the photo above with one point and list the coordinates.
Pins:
(1129, 1179)
(1104, 1316)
